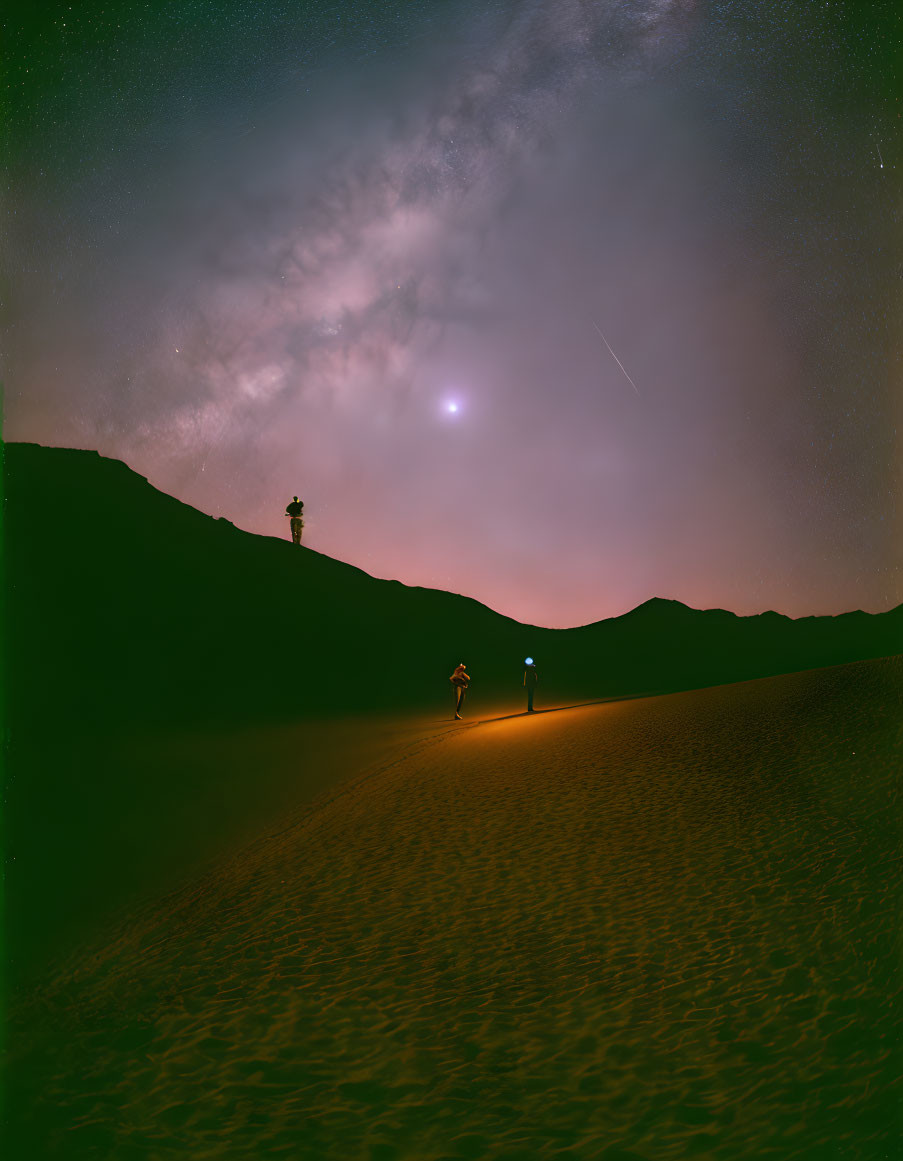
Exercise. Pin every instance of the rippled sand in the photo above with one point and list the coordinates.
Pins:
(660, 928)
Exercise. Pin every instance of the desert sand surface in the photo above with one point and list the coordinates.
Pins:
(656, 928)
(161, 807)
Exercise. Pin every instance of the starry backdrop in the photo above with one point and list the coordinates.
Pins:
(561, 305)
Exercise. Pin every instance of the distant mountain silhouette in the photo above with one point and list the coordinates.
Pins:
(125, 606)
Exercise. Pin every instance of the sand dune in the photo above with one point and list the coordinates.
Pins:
(161, 807)
(183, 622)
(658, 928)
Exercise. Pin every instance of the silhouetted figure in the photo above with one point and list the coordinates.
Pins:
(460, 680)
(531, 679)
(295, 511)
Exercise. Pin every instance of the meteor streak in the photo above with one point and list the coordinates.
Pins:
(615, 357)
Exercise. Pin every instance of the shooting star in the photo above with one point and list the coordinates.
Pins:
(880, 158)
(615, 357)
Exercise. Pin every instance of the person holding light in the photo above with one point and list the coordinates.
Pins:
(531, 677)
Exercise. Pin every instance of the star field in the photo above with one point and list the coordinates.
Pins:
(365, 253)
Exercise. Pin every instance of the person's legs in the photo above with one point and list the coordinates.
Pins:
(529, 699)
(459, 699)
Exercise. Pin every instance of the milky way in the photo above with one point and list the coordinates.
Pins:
(366, 256)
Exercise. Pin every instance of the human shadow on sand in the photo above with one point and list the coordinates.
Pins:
(551, 710)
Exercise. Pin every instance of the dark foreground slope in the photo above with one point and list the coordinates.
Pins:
(127, 606)
(654, 929)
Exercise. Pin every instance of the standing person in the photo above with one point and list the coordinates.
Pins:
(460, 680)
(531, 678)
(295, 511)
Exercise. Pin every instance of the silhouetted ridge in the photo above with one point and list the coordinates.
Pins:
(132, 606)
(658, 609)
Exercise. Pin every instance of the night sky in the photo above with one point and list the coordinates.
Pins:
(559, 305)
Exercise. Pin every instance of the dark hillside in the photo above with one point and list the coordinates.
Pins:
(126, 606)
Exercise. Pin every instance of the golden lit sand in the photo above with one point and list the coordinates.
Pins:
(660, 928)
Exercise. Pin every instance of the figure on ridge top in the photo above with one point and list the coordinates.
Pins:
(295, 512)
